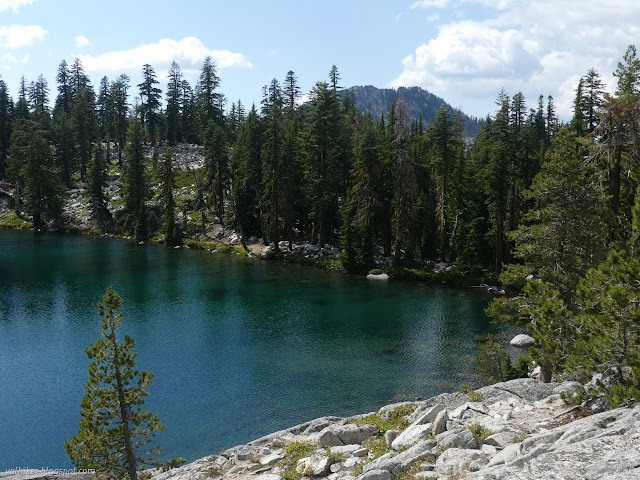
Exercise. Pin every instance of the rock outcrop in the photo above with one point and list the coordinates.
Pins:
(519, 429)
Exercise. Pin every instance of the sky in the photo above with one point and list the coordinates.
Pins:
(464, 51)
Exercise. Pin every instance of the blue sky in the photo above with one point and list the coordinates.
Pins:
(462, 50)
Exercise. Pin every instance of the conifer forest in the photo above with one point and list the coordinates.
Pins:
(551, 207)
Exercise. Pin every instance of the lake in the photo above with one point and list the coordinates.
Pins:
(240, 347)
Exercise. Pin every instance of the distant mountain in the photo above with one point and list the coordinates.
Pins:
(379, 100)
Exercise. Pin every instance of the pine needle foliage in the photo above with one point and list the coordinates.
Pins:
(114, 431)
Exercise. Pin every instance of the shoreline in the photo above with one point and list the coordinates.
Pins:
(519, 429)
(439, 275)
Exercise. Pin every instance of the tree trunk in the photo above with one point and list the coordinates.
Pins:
(131, 458)
(545, 372)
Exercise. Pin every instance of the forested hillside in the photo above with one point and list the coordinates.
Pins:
(421, 103)
(323, 171)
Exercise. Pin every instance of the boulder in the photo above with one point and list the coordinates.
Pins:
(522, 341)
(322, 467)
(411, 436)
(456, 438)
(401, 462)
(376, 475)
(312, 248)
(383, 277)
(501, 439)
(426, 414)
(440, 423)
(455, 461)
(390, 436)
(268, 460)
(344, 434)
(345, 449)
(521, 388)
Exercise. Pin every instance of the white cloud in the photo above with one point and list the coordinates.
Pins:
(424, 4)
(82, 41)
(18, 36)
(189, 53)
(433, 18)
(13, 4)
(540, 47)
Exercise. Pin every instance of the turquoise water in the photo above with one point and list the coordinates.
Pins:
(239, 347)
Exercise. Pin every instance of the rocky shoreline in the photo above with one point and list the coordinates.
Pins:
(519, 429)
(515, 430)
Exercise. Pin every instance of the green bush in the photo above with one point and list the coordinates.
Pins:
(292, 453)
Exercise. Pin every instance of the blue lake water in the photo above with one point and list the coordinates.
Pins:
(239, 347)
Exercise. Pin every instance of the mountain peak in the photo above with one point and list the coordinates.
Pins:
(379, 101)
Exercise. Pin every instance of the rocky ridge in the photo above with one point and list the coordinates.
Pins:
(512, 430)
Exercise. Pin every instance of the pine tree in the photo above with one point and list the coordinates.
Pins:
(33, 166)
(561, 238)
(322, 151)
(404, 181)
(609, 340)
(363, 196)
(149, 102)
(208, 101)
(246, 174)
(171, 230)
(174, 96)
(97, 180)
(134, 187)
(273, 153)
(64, 88)
(83, 119)
(6, 111)
(216, 164)
(114, 431)
(119, 98)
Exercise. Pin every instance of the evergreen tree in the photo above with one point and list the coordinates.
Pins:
(83, 119)
(188, 112)
(171, 230)
(496, 177)
(609, 340)
(114, 431)
(64, 88)
(404, 181)
(149, 102)
(566, 233)
(593, 97)
(363, 196)
(246, 175)
(78, 79)
(444, 149)
(273, 172)
(216, 164)
(104, 113)
(39, 101)
(208, 100)
(134, 186)
(97, 182)
(21, 108)
(6, 111)
(322, 150)
(33, 166)
(174, 97)
(119, 99)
